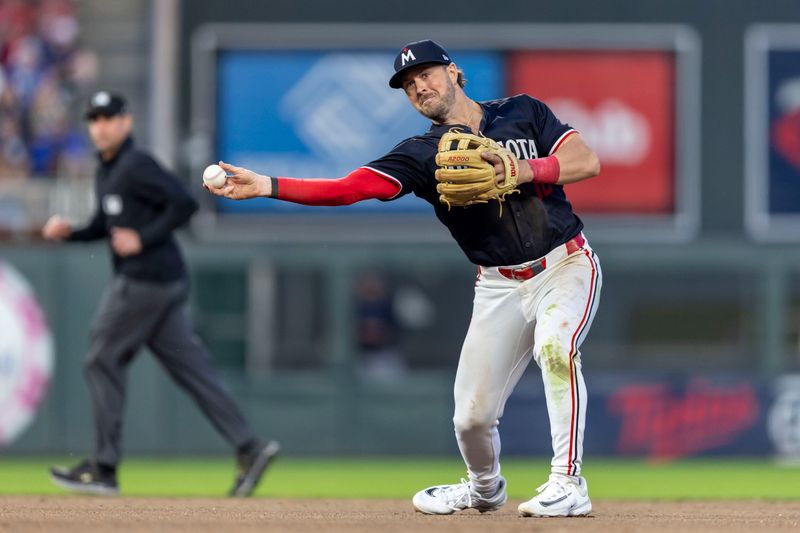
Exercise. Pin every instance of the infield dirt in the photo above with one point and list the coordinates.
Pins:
(67, 514)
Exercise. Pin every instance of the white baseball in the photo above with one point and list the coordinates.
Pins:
(214, 176)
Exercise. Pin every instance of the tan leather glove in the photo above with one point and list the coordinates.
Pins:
(465, 178)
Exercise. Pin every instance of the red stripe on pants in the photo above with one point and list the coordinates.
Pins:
(573, 350)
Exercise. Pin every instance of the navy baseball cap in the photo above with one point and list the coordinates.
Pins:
(106, 104)
(417, 53)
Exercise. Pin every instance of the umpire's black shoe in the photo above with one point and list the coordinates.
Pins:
(252, 465)
(86, 478)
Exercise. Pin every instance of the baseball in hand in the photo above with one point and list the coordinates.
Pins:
(214, 176)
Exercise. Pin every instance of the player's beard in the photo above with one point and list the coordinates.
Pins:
(441, 110)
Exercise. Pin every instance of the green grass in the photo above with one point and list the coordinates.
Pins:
(609, 479)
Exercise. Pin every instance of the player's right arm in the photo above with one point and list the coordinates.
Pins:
(361, 184)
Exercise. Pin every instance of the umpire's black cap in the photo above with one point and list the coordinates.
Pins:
(106, 104)
(417, 53)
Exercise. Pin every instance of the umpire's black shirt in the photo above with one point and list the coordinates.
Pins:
(133, 191)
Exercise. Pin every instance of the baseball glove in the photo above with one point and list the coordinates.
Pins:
(465, 178)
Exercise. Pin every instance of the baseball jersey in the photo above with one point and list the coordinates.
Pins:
(532, 222)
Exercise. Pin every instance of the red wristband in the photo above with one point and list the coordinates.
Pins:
(545, 170)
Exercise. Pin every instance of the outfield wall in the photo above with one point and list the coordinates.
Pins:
(283, 325)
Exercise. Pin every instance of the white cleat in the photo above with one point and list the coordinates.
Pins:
(560, 496)
(447, 499)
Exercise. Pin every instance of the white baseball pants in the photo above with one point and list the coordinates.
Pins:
(545, 317)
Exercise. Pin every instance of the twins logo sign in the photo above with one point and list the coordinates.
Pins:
(26, 354)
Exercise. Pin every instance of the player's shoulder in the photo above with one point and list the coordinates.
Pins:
(418, 144)
(521, 102)
(509, 101)
(523, 106)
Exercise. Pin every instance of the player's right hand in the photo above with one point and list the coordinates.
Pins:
(241, 184)
(56, 229)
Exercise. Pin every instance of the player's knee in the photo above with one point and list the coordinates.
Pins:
(472, 418)
(469, 426)
(553, 357)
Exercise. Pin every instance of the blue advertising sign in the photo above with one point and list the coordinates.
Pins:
(784, 131)
(322, 114)
(772, 132)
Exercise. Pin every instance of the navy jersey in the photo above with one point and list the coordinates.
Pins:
(532, 222)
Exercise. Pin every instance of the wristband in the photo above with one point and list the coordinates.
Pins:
(545, 170)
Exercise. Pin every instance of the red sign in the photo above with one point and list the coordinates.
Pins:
(623, 104)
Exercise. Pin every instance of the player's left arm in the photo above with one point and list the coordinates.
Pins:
(572, 161)
(576, 162)
(568, 159)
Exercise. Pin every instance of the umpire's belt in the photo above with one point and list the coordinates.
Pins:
(539, 265)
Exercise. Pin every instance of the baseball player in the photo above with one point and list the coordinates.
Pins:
(139, 206)
(538, 279)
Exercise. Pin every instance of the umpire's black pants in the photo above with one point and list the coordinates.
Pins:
(133, 313)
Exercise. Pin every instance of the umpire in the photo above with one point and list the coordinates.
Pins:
(139, 205)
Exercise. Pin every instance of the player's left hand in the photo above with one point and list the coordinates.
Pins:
(126, 241)
(525, 173)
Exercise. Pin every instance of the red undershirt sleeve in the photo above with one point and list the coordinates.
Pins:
(361, 184)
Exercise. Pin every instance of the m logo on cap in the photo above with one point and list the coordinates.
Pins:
(414, 54)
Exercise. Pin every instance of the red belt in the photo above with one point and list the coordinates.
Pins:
(538, 266)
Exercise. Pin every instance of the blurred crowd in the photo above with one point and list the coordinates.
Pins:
(44, 74)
